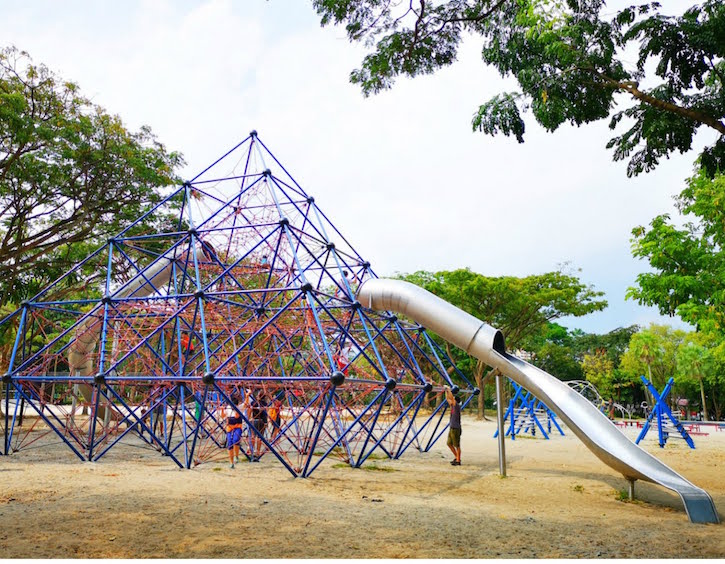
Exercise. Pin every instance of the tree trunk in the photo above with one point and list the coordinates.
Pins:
(481, 399)
(704, 405)
(480, 382)
(647, 393)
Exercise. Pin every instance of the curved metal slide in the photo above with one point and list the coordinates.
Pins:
(81, 360)
(486, 343)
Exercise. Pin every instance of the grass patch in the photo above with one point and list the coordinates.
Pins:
(375, 456)
(368, 467)
(622, 495)
(336, 450)
(376, 468)
(216, 469)
(578, 488)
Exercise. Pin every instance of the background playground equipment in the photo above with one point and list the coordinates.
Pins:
(660, 413)
(232, 286)
(590, 392)
(525, 414)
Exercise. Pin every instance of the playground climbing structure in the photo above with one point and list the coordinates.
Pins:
(526, 414)
(236, 286)
(660, 414)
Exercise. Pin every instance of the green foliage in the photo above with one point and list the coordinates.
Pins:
(70, 175)
(519, 307)
(622, 495)
(612, 344)
(599, 370)
(701, 370)
(575, 355)
(689, 262)
(653, 353)
(555, 350)
(522, 308)
(568, 57)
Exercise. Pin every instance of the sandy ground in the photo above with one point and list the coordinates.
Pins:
(558, 501)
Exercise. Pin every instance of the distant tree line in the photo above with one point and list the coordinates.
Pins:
(525, 310)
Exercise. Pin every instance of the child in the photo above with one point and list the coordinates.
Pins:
(275, 416)
(234, 433)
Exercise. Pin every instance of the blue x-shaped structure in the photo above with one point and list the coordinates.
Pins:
(659, 412)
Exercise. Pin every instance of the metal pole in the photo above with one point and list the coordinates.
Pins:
(7, 418)
(499, 418)
(631, 489)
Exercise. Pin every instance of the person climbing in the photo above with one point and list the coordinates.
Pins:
(454, 430)
(345, 289)
(187, 346)
(209, 252)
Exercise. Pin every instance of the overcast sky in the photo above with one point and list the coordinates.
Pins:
(401, 174)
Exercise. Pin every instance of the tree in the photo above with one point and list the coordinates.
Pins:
(689, 262)
(701, 365)
(653, 351)
(613, 344)
(564, 353)
(71, 175)
(519, 307)
(599, 370)
(694, 363)
(568, 57)
(554, 350)
(715, 378)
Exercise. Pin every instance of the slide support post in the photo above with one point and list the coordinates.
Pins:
(500, 419)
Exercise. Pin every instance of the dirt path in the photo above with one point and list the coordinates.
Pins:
(558, 501)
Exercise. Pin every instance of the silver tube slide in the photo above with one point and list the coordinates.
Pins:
(80, 351)
(80, 360)
(589, 424)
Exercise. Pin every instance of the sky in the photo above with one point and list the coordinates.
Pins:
(401, 174)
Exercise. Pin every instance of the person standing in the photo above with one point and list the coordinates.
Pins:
(275, 417)
(258, 417)
(233, 429)
(454, 426)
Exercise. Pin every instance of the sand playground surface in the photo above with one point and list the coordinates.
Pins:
(559, 501)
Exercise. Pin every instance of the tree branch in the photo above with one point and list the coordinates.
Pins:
(633, 89)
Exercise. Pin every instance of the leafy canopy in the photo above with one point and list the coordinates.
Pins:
(568, 57)
(70, 175)
(689, 261)
(519, 307)
(573, 354)
(653, 353)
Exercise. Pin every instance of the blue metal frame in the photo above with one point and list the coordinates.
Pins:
(524, 404)
(659, 412)
(139, 336)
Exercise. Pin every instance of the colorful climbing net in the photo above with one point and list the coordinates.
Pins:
(235, 288)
